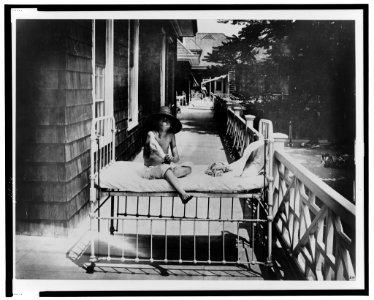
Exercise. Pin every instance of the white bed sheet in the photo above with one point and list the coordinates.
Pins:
(126, 176)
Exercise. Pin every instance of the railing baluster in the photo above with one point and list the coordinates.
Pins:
(194, 242)
(172, 207)
(118, 211)
(196, 207)
(237, 241)
(223, 243)
(232, 208)
(180, 241)
(160, 216)
(209, 261)
(166, 242)
(220, 208)
(108, 225)
(137, 241)
(137, 206)
(207, 214)
(151, 259)
(125, 206)
(184, 211)
(123, 241)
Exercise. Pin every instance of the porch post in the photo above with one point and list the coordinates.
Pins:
(237, 110)
(279, 140)
(249, 120)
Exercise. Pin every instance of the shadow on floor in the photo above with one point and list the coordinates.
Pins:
(126, 246)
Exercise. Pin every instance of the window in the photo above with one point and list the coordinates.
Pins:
(99, 91)
(163, 68)
(133, 41)
(103, 67)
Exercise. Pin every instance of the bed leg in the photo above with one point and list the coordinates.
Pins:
(111, 215)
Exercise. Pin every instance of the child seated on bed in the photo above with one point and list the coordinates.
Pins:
(158, 163)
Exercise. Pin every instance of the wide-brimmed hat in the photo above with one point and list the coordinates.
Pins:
(176, 125)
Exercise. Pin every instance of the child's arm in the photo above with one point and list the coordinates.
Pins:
(154, 145)
(174, 150)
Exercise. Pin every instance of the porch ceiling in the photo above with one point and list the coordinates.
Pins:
(185, 27)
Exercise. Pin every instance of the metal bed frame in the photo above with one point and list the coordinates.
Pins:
(259, 203)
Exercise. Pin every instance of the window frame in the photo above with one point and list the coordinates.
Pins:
(133, 77)
(108, 70)
(163, 68)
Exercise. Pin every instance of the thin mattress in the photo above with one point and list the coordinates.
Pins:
(127, 176)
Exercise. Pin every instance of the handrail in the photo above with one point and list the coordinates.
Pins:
(308, 218)
(329, 196)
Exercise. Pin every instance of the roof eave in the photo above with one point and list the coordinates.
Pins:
(184, 27)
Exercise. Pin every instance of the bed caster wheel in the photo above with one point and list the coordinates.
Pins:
(90, 269)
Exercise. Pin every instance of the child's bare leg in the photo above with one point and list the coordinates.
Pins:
(182, 171)
(173, 180)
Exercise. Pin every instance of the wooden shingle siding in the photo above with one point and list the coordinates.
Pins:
(75, 81)
(77, 147)
(78, 97)
(58, 211)
(45, 153)
(78, 63)
(56, 103)
(43, 191)
(77, 184)
(77, 131)
(78, 48)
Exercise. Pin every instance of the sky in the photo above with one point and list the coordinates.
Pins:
(210, 25)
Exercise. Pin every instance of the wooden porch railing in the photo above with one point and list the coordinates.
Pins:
(312, 222)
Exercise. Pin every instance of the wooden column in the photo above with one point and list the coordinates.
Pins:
(279, 140)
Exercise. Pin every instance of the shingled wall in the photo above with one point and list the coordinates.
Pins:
(54, 113)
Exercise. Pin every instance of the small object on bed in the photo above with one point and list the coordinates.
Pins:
(217, 169)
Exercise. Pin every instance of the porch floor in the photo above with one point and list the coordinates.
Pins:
(67, 257)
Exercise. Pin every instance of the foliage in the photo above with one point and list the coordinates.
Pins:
(316, 57)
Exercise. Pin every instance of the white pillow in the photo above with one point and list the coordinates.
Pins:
(255, 163)
(252, 161)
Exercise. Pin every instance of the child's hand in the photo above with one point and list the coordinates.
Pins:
(168, 159)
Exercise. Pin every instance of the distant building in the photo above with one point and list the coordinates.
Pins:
(202, 44)
(184, 79)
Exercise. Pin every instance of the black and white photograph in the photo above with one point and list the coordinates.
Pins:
(178, 148)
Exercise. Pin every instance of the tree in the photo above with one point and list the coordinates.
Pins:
(317, 57)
